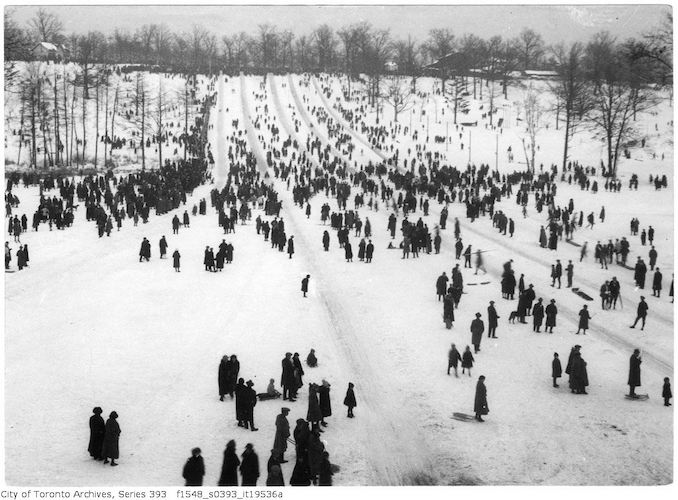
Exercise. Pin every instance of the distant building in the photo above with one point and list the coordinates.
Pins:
(46, 51)
(391, 66)
(540, 75)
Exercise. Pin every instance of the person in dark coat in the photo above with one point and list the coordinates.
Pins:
(551, 313)
(313, 415)
(304, 284)
(232, 374)
(223, 377)
(298, 374)
(315, 454)
(467, 361)
(361, 250)
(240, 403)
(492, 318)
(275, 476)
(584, 318)
(441, 285)
(537, 315)
(369, 252)
(349, 400)
(634, 372)
(326, 241)
(176, 258)
(194, 470)
(249, 466)
(282, 432)
(556, 369)
(287, 381)
(325, 402)
(657, 283)
(477, 329)
(448, 310)
(453, 358)
(301, 475)
(578, 374)
(229, 469)
(325, 473)
(249, 404)
(163, 247)
(666, 391)
(641, 313)
(348, 252)
(301, 434)
(480, 404)
(97, 431)
(111, 439)
(290, 246)
(311, 360)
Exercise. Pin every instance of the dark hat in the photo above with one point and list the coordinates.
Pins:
(249, 383)
(285, 409)
(491, 301)
(114, 414)
(249, 446)
(478, 315)
(553, 300)
(642, 297)
(97, 410)
(196, 451)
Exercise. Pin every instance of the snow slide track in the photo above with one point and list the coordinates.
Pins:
(397, 451)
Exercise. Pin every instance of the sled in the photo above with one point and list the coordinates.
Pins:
(639, 397)
(581, 294)
(464, 417)
(573, 243)
(9, 271)
(480, 283)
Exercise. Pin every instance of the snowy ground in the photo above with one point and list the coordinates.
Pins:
(88, 325)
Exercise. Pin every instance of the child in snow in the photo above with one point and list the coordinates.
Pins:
(349, 400)
(311, 360)
(666, 391)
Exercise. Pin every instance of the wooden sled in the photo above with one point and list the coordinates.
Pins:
(639, 397)
(581, 294)
(464, 417)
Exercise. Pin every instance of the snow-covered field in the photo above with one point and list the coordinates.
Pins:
(88, 325)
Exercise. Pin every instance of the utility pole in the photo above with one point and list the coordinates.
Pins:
(469, 146)
(447, 135)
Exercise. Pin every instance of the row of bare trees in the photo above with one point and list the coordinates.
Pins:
(54, 105)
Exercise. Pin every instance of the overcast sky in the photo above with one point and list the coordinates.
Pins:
(554, 22)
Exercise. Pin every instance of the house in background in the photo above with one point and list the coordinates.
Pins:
(391, 66)
(46, 51)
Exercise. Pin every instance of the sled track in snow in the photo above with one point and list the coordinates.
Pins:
(572, 315)
(396, 450)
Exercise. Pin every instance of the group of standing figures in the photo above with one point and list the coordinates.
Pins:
(104, 437)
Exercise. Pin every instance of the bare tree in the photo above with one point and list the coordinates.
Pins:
(439, 44)
(530, 47)
(324, 45)
(616, 96)
(533, 124)
(571, 88)
(398, 93)
(46, 27)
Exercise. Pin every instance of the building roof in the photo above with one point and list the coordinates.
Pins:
(47, 46)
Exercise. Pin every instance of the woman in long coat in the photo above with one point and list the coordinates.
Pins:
(97, 431)
(301, 434)
(298, 373)
(480, 405)
(467, 361)
(348, 250)
(223, 377)
(634, 372)
(361, 249)
(249, 468)
(448, 310)
(313, 415)
(326, 241)
(315, 454)
(176, 257)
(579, 379)
(325, 403)
(241, 403)
(110, 447)
(229, 469)
(194, 470)
(232, 374)
(551, 313)
(584, 318)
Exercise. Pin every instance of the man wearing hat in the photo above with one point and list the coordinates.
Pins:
(642, 313)
(282, 432)
(551, 313)
(634, 372)
(492, 318)
(304, 283)
(97, 431)
(249, 404)
(477, 329)
(480, 404)
(287, 380)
